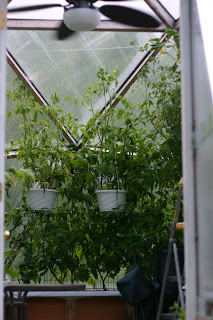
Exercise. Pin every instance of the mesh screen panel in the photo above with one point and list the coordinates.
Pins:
(68, 67)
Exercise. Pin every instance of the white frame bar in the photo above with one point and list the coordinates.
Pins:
(188, 160)
(3, 6)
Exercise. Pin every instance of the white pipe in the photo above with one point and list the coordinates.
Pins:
(3, 6)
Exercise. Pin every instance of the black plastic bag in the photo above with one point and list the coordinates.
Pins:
(139, 292)
(132, 286)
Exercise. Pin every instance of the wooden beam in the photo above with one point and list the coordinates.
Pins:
(71, 310)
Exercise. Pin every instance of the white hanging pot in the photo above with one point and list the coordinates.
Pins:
(41, 199)
(111, 199)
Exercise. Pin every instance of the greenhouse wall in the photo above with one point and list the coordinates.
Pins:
(25, 56)
(198, 160)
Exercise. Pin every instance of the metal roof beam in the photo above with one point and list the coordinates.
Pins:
(162, 13)
(105, 25)
(177, 24)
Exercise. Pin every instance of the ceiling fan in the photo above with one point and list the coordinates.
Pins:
(82, 15)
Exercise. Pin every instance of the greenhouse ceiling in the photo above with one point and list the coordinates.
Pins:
(67, 67)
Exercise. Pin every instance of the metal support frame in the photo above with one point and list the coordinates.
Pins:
(179, 280)
(189, 156)
(104, 25)
(3, 4)
(172, 248)
(162, 13)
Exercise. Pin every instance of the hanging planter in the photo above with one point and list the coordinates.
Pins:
(41, 199)
(109, 200)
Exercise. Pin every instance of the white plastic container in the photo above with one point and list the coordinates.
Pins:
(41, 199)
(111, 199)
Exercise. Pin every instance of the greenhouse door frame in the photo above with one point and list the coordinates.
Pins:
(3, 6)
(197, 142)
(195, 94)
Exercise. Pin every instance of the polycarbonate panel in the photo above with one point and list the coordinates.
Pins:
(12, 130)
(172, 6)
(203, 119)
(137, 94)
(68, 67)
(13, 197)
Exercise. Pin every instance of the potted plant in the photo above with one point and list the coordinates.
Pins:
(39, 146)
(116, 139)
(108, 143)
(110, 169)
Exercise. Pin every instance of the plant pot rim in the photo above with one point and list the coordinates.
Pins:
(111, 190)
(39, 189)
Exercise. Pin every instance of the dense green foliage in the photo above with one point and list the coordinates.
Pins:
(136, 146)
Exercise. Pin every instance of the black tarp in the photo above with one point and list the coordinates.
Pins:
(139, 292)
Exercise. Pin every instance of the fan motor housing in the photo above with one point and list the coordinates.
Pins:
(82, 18)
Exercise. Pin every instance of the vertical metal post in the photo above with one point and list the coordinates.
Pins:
(169, 254)
(189, 161)
(3, 6)
(179, 282)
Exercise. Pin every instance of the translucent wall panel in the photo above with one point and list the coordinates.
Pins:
(69, 67)
(12, 125)
(12, 199)
(204, 168)
(12, 130)
(138, 91)
(173, 7)
(198, 167)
